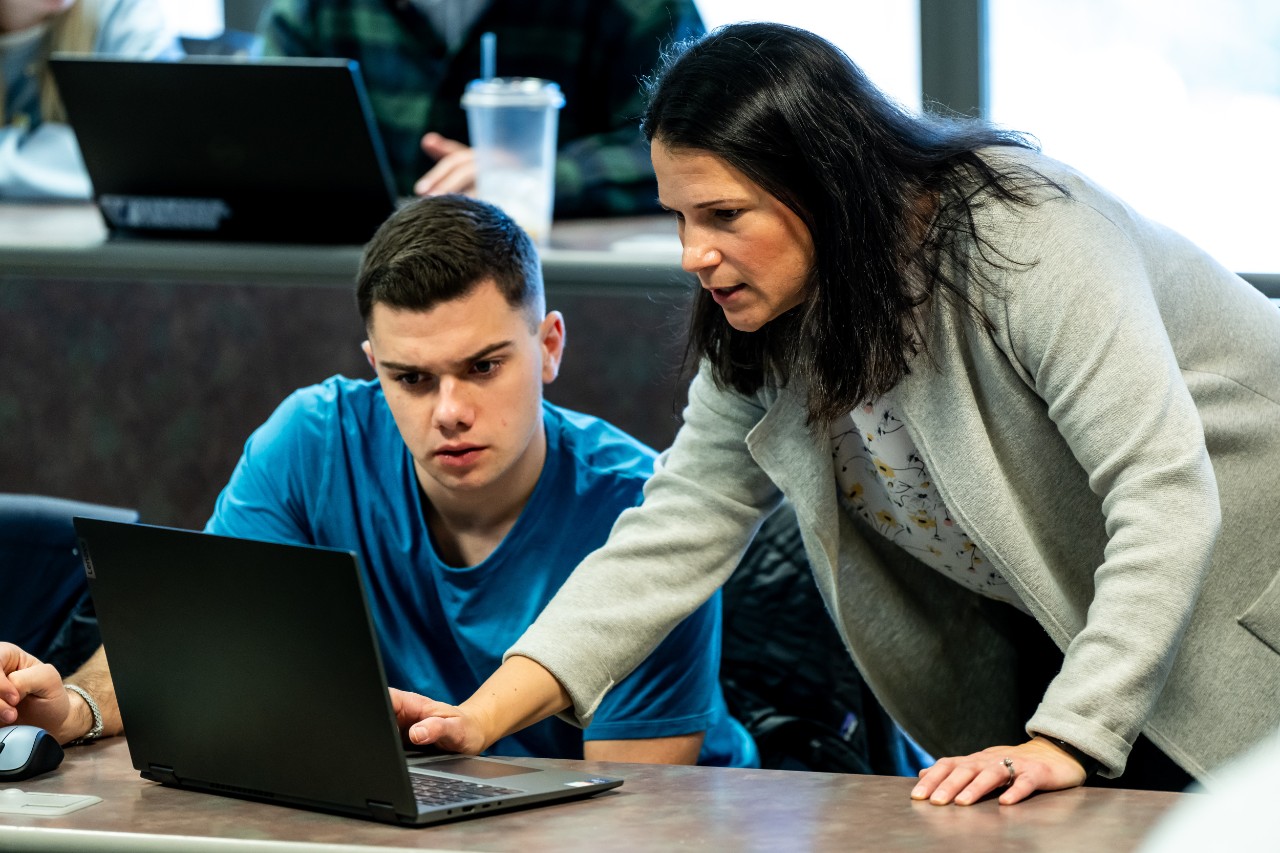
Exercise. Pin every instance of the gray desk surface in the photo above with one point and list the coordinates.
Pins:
(69, 241)
(658, 808)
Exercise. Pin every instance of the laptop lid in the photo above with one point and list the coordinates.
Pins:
(281, 150)
(252, 669)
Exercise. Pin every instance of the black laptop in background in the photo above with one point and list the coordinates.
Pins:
(251, 669)
(278, 150)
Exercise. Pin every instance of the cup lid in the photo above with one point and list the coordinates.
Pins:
(513, 92)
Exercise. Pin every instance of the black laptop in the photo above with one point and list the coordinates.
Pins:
(251, 669)
(280, 150)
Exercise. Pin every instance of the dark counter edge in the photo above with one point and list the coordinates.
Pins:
(565, 270)
(336, 265)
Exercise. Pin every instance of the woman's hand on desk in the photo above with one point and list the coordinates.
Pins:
(1021, 770)
(31, 691)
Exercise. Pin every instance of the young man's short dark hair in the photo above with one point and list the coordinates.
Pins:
(438, 248)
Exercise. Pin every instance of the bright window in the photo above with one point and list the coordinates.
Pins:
(881, 36)
(1174, 105)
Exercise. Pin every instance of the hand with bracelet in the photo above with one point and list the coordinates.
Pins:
(33, 693)
(1041, 764)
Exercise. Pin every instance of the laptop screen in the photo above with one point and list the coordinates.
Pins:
(281, 150)
(252, 669)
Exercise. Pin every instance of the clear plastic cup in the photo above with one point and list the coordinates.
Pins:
(512, 122)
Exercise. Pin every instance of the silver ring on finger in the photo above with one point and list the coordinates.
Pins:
(1013, 774)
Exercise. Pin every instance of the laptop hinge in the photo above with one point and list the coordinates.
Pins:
(384, 812)
(162, 774)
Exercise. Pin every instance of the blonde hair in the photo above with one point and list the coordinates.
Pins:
(72, 31)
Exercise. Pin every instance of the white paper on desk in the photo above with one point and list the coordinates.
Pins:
(35, 804)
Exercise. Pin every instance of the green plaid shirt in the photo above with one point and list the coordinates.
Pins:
(596, 50)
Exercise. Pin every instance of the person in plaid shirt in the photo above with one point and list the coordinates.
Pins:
(416, 57)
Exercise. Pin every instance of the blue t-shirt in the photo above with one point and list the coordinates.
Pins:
(329, 468)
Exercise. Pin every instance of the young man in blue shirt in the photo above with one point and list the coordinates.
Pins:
(468, 497)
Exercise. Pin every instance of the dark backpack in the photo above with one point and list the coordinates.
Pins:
(786, 674)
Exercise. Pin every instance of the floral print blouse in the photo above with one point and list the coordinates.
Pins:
(883, 480)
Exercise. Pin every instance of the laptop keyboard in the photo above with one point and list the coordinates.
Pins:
(439, 791)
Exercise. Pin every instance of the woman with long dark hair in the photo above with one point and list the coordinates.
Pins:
(1032, 439)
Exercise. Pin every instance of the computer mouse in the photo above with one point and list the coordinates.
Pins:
(27, 751)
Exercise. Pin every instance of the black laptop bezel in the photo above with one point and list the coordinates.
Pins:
(178, 721)
(281, 150)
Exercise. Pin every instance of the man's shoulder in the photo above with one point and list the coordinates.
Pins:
(335, 394)
(339, 428)
(596, 447)
(314, 409)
